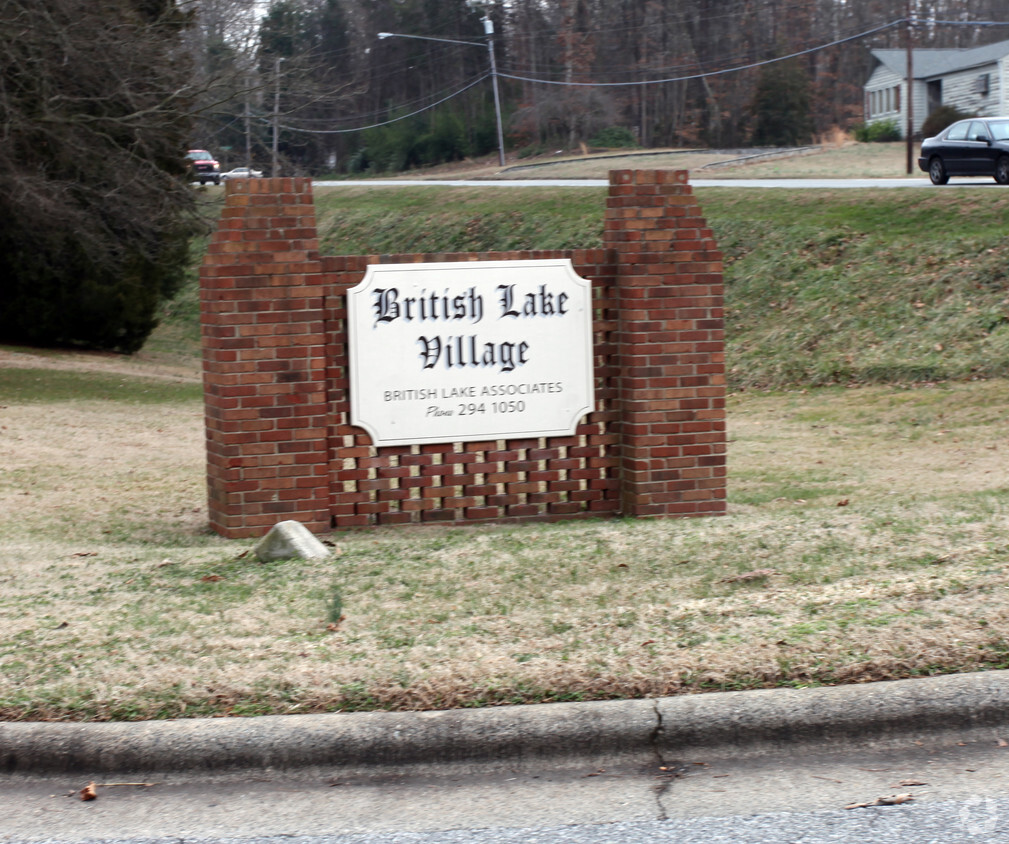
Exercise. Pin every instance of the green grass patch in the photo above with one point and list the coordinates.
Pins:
(55, 385)
(372, 221)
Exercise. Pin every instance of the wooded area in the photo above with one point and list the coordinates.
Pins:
(648, 72)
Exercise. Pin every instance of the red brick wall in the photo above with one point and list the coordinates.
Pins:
(670, 339)
(279, 444)
(264, 362)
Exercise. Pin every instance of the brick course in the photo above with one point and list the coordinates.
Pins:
(279, 442)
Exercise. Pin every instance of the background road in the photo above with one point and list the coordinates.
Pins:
(794, 184)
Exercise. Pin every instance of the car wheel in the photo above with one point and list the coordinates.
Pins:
(217, 181)
(1002, 170)
(202, 182)
(937, 171)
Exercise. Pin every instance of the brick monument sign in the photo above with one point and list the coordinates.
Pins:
(624, 416)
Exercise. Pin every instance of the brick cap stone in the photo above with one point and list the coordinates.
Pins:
(290, 539)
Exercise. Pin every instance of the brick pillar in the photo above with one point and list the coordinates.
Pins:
(670, 342)
(264, 365)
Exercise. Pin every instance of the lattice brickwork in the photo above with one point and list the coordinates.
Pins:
(460, 482)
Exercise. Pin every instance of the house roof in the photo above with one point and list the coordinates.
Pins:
(930, 62)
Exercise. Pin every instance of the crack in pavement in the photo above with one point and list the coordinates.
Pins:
(667, 772)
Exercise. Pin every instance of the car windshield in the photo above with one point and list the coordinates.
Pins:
(999, 129)
(199, 155)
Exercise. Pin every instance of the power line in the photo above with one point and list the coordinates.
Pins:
(472, 84)
(707, 74)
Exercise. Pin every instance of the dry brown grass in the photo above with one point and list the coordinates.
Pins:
(834, 156)
(867, 538)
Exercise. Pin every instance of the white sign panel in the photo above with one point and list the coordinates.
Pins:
(461, 352)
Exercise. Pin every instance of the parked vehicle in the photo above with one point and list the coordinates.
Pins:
(975, 147)
(203, 166)
(242, 173)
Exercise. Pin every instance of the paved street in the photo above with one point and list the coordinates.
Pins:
(698, 181)
(958, 787)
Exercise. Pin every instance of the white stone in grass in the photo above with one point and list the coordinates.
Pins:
(289, 539)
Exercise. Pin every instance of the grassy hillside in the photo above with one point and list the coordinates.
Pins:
(844, 286)
(866, 286)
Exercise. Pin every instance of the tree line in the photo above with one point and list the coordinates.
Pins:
(100, 99)
(311, 75)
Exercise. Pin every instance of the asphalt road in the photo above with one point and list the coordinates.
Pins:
(957, 785)
(793, 184)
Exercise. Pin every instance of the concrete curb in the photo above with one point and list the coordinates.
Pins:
(736, 723)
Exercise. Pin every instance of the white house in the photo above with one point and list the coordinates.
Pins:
(973, 80)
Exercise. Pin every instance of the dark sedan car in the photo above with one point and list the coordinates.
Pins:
(975, 147)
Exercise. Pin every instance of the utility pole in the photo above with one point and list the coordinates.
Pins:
(248, 127)
(910, 89)
(488, 28)
(275, 168)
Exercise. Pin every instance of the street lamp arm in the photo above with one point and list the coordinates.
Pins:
(383, 35)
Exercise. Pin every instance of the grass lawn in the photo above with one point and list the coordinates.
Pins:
(867, 535)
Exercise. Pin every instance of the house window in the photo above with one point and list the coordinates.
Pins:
(884, 101)
(981, 85)
(934, 94)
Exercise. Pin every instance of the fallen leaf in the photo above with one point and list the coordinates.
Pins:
(648, 642)
(89, 792)
(891, 800)
(211, 578)
(85, 554)
(843, 502)
(1003, 743)
(909, 783)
